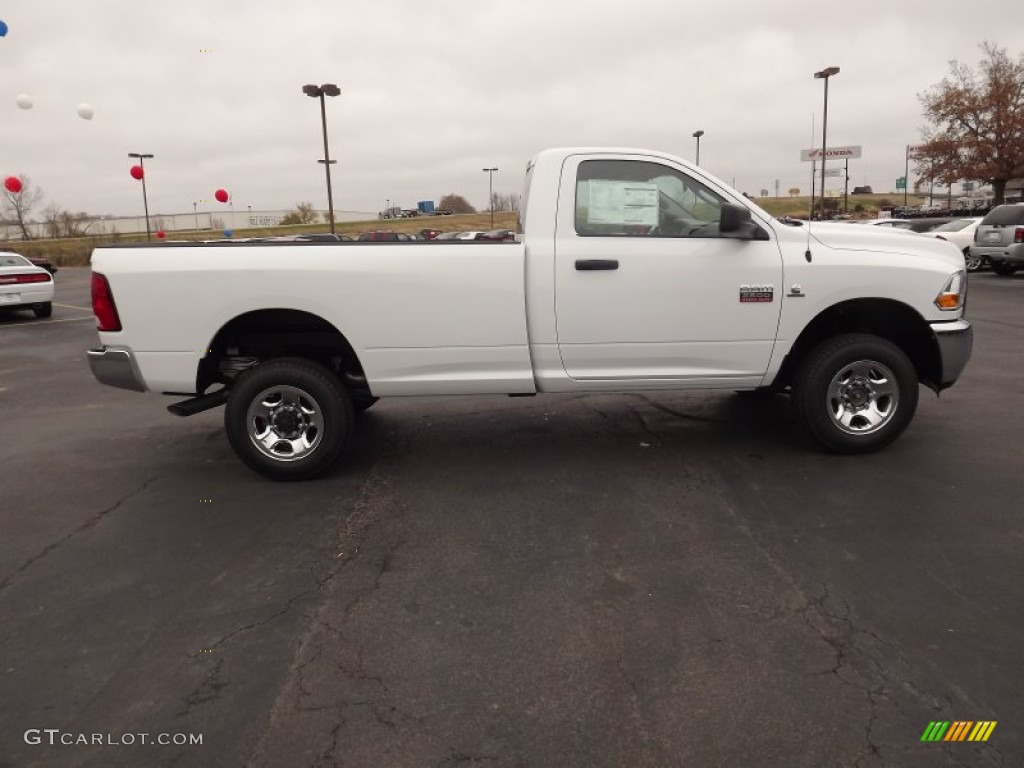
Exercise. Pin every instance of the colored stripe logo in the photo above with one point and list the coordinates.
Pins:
(958, 730)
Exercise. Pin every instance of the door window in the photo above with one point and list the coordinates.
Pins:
(634, 198)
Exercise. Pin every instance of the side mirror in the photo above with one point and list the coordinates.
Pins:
(733, 218)
(736, 222)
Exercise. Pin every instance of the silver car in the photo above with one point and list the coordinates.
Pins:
(999, 239)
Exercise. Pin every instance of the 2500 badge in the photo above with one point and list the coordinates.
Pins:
(757, 293)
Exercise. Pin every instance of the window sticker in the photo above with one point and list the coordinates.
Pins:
(622, 202)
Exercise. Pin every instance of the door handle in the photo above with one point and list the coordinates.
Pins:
(590, 265)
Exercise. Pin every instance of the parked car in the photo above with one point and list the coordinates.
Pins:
(447, 236)
(960, 232)
(913, 225)
(999, 238)
(472, 235)
(323, 237)
(45, 263)
(498, 234)
(892, 224)
(23, 285)
(383, 237)
(429, 234)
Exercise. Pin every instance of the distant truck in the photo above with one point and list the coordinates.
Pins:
(423, 208)
(396, 212)
(426, 208)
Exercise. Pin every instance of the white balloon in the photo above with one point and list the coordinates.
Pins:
(23, 101)
(85, 111)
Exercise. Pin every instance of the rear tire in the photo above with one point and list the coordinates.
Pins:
(288, 418)
(973, 263)
(856, 393)
(43, 310)
(1003, 269)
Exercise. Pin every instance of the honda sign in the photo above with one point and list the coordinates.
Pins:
(832, 153)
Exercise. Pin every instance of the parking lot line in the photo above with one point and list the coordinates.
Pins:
(72, 306)
(47, 320)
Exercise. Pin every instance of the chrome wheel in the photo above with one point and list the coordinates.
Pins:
(973, 263)
(862, 397)
(285, 423)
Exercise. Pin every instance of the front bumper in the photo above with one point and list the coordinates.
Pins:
(116, 368)
(954, 341)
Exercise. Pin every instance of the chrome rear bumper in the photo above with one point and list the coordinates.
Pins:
(116, 368)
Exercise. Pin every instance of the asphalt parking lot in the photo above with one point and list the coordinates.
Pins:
(680, 580)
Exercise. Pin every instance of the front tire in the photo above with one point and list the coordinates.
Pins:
(1003, 269)
(43, 310)
(288, 418)
(856, 393)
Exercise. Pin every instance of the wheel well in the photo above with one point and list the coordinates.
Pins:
(256, 336)
(891, 320)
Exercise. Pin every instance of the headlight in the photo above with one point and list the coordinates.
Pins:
(954, 293)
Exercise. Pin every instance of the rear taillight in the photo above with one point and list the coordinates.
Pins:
(1018, 235)
(32, 277)
(103, 304)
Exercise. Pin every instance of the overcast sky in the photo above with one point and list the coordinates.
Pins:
(432, 92)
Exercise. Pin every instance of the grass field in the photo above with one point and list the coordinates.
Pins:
(75, 252)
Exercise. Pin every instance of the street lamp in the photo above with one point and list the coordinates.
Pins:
(490, 192)
(824, 74)
(697, 135)
(319, 91)
(145, 203)
(195, 212)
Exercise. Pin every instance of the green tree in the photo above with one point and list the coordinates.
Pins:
(975, 125)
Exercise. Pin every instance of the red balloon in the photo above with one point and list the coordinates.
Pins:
(160, 234)
(136, 172)
(221, 195)
(12, 184)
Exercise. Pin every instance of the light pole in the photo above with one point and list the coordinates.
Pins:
(145, 203)
(490, 190)
(824, 74)
(195, 212)
(319, 91)
(697, 135)
(906, 176)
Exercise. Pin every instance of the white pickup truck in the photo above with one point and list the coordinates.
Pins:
(633, 270)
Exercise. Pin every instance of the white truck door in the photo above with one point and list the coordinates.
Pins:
(646, 287)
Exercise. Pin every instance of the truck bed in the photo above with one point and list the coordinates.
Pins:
(424, 318)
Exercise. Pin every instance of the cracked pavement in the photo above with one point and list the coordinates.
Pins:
(656, 580)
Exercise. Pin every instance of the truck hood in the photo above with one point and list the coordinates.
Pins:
(858, 237)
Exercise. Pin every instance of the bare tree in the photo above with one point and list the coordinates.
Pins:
(51, 220)
(76, 224)
(18, 205)
(304, 213)
(456, 204)
(976, 123)
(509, 202)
